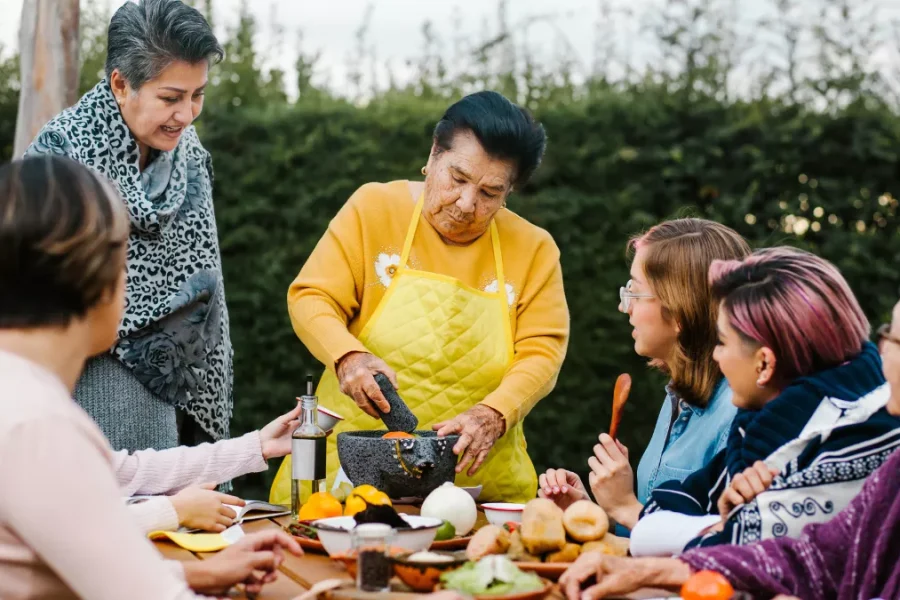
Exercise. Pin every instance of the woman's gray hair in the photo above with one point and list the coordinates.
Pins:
(146, 36)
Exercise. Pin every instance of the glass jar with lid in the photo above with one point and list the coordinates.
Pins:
(372, 544)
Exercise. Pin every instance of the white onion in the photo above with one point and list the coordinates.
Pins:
(453, 504)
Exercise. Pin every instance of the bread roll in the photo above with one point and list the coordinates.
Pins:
(610, 544)
(517, 551)
(568, 554)
(542, 527)
(585, 521)
(490, 539)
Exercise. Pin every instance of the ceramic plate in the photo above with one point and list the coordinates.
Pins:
(534, 595)
(305, 542)
(459, 543)
(310, 545)
(551, 571)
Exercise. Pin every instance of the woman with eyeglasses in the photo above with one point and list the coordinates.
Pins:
(669, 304)
(819, 408)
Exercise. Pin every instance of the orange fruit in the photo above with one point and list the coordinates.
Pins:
(361, 497)
(354, 505)
(320, 505)
(397, 435)
(707, 585)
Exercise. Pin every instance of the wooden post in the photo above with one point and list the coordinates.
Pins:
(48, 52)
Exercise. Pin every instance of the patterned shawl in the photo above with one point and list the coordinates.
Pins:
(174, 335)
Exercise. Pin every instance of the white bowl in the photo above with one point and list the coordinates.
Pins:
(474, 491)
(334, 533)
(498, 513)
(328, 419)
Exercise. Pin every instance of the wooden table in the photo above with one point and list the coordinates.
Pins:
(298, 574)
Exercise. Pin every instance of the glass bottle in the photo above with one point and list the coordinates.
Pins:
(371, 542)
(307, 453)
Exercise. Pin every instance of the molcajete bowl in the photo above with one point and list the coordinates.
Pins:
(401, 468)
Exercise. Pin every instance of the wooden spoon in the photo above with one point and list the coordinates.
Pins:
(326, 585)
(620, 396)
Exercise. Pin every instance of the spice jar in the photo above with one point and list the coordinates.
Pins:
(372, 542)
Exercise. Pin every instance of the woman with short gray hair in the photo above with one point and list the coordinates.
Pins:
(168, 380)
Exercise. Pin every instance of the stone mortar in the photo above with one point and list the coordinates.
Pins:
(401, 468)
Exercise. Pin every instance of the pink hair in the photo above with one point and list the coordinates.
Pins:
(796, 304)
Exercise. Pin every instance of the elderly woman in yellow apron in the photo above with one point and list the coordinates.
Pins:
(458, 300)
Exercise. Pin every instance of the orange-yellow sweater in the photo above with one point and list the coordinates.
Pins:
(347, 274)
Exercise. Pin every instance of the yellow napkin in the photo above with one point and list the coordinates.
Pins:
(195, 542)
(201, 542)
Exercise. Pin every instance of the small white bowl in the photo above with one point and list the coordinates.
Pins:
(474, 491)
(334, 533)
(328, 419)
(498, 513)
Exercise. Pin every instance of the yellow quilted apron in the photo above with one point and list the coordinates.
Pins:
(450, 345)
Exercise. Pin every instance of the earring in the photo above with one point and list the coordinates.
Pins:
(424, 170)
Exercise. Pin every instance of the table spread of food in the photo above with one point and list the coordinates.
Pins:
(396, 511)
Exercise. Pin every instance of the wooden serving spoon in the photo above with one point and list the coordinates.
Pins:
(620, 396)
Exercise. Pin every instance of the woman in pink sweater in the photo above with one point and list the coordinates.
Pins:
(64, 530)
(191, 473)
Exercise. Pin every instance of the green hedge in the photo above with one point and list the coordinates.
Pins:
(617, 162)
(621, 157)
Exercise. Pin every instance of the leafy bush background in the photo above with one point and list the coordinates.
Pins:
(815, 166)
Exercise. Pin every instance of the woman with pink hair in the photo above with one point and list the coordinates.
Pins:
(816, 417)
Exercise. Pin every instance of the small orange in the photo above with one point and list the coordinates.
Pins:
(320, 505)
(397, 435)
(363, 496)
(706, 585)
(354, 505)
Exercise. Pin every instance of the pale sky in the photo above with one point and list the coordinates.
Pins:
(329, 27)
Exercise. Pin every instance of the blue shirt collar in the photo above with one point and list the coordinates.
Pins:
(697, 410)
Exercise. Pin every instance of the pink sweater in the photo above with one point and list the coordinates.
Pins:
(64, 530)
(168, 471)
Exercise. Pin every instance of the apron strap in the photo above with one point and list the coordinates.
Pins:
(495, 245)
(411, 232)
(498, 261)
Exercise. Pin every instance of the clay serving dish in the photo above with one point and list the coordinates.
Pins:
(424, 576)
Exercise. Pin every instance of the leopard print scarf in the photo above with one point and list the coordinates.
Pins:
(174, 335)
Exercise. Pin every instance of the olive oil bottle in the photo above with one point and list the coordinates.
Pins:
(307, 453)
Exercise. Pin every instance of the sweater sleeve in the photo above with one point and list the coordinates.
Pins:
(697, 495)
(807, 567)
(43, 463)
(327, 293)
(155, 514)
(541, 340)
(167, 471)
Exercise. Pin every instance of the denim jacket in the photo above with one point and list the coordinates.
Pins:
(696, 436)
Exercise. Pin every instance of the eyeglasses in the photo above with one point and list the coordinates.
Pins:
(883, 335)
(626, 296)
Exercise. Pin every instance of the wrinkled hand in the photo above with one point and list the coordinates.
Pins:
(615, 575)
(253, 560)
(356, 374)
(200, 507)
(746, 486)
(275, 438)
(612, 481)
(563, 487)
(479, 428)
